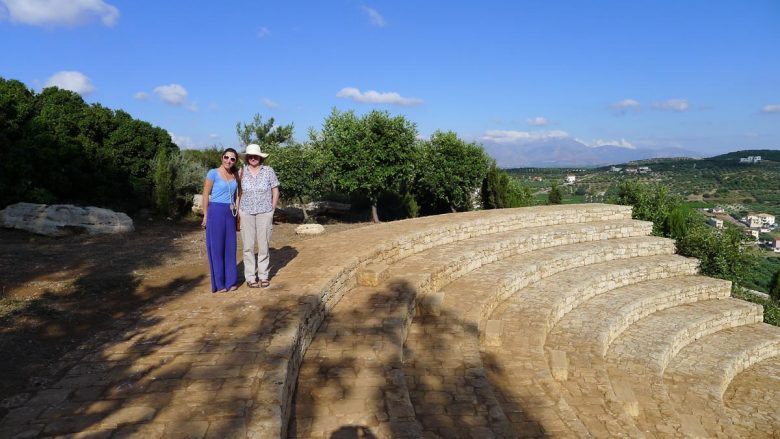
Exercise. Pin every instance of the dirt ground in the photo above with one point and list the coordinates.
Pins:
(55, 293)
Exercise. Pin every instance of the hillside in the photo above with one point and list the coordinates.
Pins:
(716, 180)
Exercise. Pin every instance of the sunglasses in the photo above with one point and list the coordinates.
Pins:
(253, 157)
(227, 157)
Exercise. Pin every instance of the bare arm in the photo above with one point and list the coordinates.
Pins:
(207, 185)
(275, 197)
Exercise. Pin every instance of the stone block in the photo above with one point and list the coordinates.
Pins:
(559, 365)
(627, 398)
(493, 331)
(371, 275)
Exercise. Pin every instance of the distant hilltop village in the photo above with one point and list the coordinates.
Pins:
(750, 159)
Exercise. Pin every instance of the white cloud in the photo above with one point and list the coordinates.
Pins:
(678, 105)
(510, 136)
(213, 136)
(270, 104)
(537, 121)
(213, 106)
(376, 19)
(623, 143)
(192, 107)
(625, 106)
(771, 108)
(141, 96)
(263, 32)
(375, 97)
(60, 12)
(172, 94)
(71, 80)
(184, 142)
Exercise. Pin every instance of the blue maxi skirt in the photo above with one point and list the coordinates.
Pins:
(221, 246)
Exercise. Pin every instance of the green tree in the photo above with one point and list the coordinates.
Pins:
(369, 155)
(265, 134)
(495, 188)
(17, 108)
(190, 173)
(98, 156)
(451, 170)
(519, 194)
(774, 285)
(500, 190)
(164, 179)
(301, 171)
(554, 196)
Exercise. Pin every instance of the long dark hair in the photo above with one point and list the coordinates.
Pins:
(234, 167)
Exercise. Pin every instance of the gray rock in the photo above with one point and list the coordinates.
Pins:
(309, 229)
(197, 204)
(64, 219)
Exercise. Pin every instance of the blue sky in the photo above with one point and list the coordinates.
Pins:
(699, 75)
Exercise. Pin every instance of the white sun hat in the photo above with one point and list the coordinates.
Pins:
(254, 149)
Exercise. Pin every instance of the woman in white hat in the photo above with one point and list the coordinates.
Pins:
(259, 195)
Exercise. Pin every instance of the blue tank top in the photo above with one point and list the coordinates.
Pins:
(222, 191)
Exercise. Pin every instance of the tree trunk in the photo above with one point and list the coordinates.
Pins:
(303, 209)
(374, 213)
(452, 209)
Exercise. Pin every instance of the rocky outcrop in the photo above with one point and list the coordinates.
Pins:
(64, 219)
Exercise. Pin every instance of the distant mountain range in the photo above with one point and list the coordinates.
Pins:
(568, 152)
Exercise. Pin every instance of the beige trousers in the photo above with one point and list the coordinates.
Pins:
(256, 231)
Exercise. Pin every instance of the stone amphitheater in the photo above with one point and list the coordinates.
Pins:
(556, 321)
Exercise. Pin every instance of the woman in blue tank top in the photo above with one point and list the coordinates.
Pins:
(220, 191)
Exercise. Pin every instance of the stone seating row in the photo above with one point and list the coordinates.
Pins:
(598, 356)
(356, 253)
(451, 332)
(382, 313)
(529, 316)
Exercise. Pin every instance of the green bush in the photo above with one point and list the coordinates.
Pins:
(774, 285)
(102, 157)
(722, 253)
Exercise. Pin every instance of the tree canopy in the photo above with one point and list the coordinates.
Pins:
(368, 155)
(265, 133)
(92, 155)
(451, 170)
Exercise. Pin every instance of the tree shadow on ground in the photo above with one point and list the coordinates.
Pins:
(59, 292)
(193, 364)
(437, 386)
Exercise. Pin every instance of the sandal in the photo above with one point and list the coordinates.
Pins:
(253, 284)
(264, 284)
(233, 288)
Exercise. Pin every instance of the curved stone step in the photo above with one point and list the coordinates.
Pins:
(441, 355)
(590, 328)
(650, 344)
(707, 366)
(429, 271)
(530, 314)
(699, 374)
(753, 395)
(376, 318)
